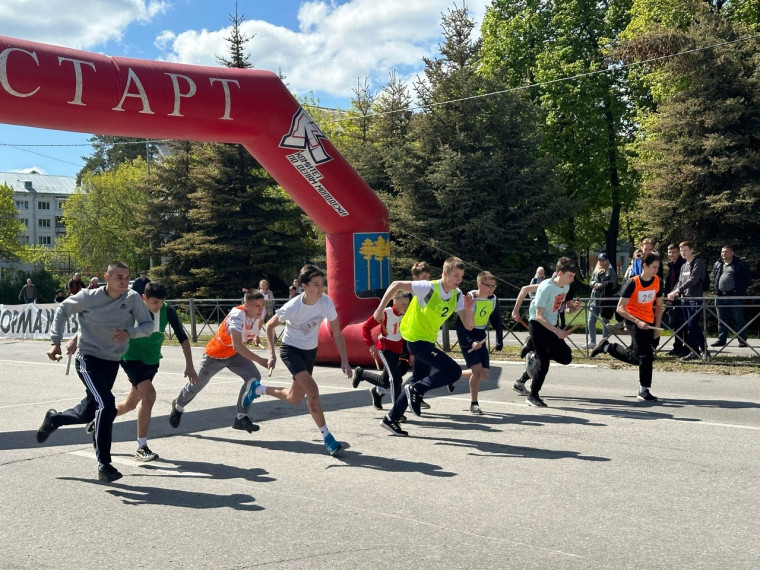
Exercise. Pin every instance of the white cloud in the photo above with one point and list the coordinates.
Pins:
(30, 170)
(334, 45)
(84, 24)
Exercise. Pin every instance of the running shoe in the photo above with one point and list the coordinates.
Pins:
(90, 427)
(175, 416)
(47, 426)
(414, 399)
(451, 388)
(377, 398)
(599, 349)
(333, 446)
(145, 454)
(536, 402)
(357, 377)
(393, 427)
(475, 410)
(108, 473)
(251, 394)
(647, 396)
(245, 423)
(519, 387)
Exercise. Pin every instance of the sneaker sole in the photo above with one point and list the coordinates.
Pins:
(253, 428)
(535, 405)
(109, 479)
(522, 392)
(642, 399)
(335, 451)
(143, 459)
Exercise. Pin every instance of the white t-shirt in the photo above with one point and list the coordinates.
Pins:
(302, 321)
(420, 289)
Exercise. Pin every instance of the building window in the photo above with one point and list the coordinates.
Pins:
(60, 204)
(44, 222)
(22, 204)
(24, 240)
(43, 205)
(44, 240)
(59, 222)
(26, 222)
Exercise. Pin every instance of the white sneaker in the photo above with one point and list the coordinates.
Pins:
(589, 345)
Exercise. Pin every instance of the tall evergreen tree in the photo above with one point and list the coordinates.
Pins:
(471, 180)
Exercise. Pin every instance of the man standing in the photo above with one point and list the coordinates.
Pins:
(74, 285)
(139, 284)
(691, 284)
(28, 293)
(107, 316)
(731, 277)
(674, 314)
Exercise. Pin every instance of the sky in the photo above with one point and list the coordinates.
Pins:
(322, 47)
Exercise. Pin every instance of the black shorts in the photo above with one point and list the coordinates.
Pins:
(298, 360)
(138, 371)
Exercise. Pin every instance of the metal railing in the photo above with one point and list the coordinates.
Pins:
(203, 317)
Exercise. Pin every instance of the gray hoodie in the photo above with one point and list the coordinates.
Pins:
(99, 316)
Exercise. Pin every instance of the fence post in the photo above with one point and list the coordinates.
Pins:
(193, 329)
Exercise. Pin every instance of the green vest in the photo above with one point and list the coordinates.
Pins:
(422, 323)
(483, 310)
(147, 349)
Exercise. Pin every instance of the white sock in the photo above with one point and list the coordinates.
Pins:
(643, 389)
(379, 390)
(324, 431)
(261, 390)
(241, 416)
(179, 408)
(141, 441)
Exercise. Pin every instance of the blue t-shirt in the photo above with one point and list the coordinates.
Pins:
(550, 297)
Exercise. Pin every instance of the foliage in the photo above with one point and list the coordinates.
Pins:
(101, 218)
(10, 226)
(110, 152)
(44, 281)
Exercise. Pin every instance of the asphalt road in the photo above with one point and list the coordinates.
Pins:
(597, 480)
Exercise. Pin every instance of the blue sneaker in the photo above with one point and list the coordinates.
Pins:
(333, 446)
(251, 395)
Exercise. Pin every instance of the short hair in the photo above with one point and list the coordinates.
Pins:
(308, 272)
(565, 264)
(402, 295)
(154, 290)
(647, 240)
(729, 246)
(686, 243)
(419, 268)
(453, 263)
(116, 264)
(672, 246)
(263, 282)
(252, 295)
(650, 258)
(485, 275)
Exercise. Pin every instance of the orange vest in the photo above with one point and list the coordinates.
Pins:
(641, 302)
(221, 345)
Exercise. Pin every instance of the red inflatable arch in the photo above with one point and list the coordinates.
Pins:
(59, 88)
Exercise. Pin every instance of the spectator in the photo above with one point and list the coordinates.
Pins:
(647, 247)
(603, 284)
(731, 277)
(140, 283)
(28, 293)
(94, 283)
(74, 285)
(537, 278)
(691, 287)
(673, 314)
(634, 268)
(294, 289)
(59, 296)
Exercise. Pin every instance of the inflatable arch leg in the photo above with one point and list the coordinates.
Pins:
(59, 88)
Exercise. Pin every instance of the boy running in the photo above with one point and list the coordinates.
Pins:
(390, 349)
(141, 361)
(638, 297)
(303, 316)
(107, 319)
(473, 342)
(546, 337)
(227, 350)
(432, 304)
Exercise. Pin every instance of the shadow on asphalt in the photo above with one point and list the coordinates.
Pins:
(347, 456)
(136, 495)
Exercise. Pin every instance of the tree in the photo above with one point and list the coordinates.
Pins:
(587, 118)
(110, 152)
(101, 218)
(471, 180)
(10, 226)
(701, 160)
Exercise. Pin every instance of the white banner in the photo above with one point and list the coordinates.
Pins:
(32, 321)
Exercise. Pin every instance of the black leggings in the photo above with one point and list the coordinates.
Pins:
(641, 352)
(547, 346)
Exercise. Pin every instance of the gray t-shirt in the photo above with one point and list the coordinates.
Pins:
(727, 278)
